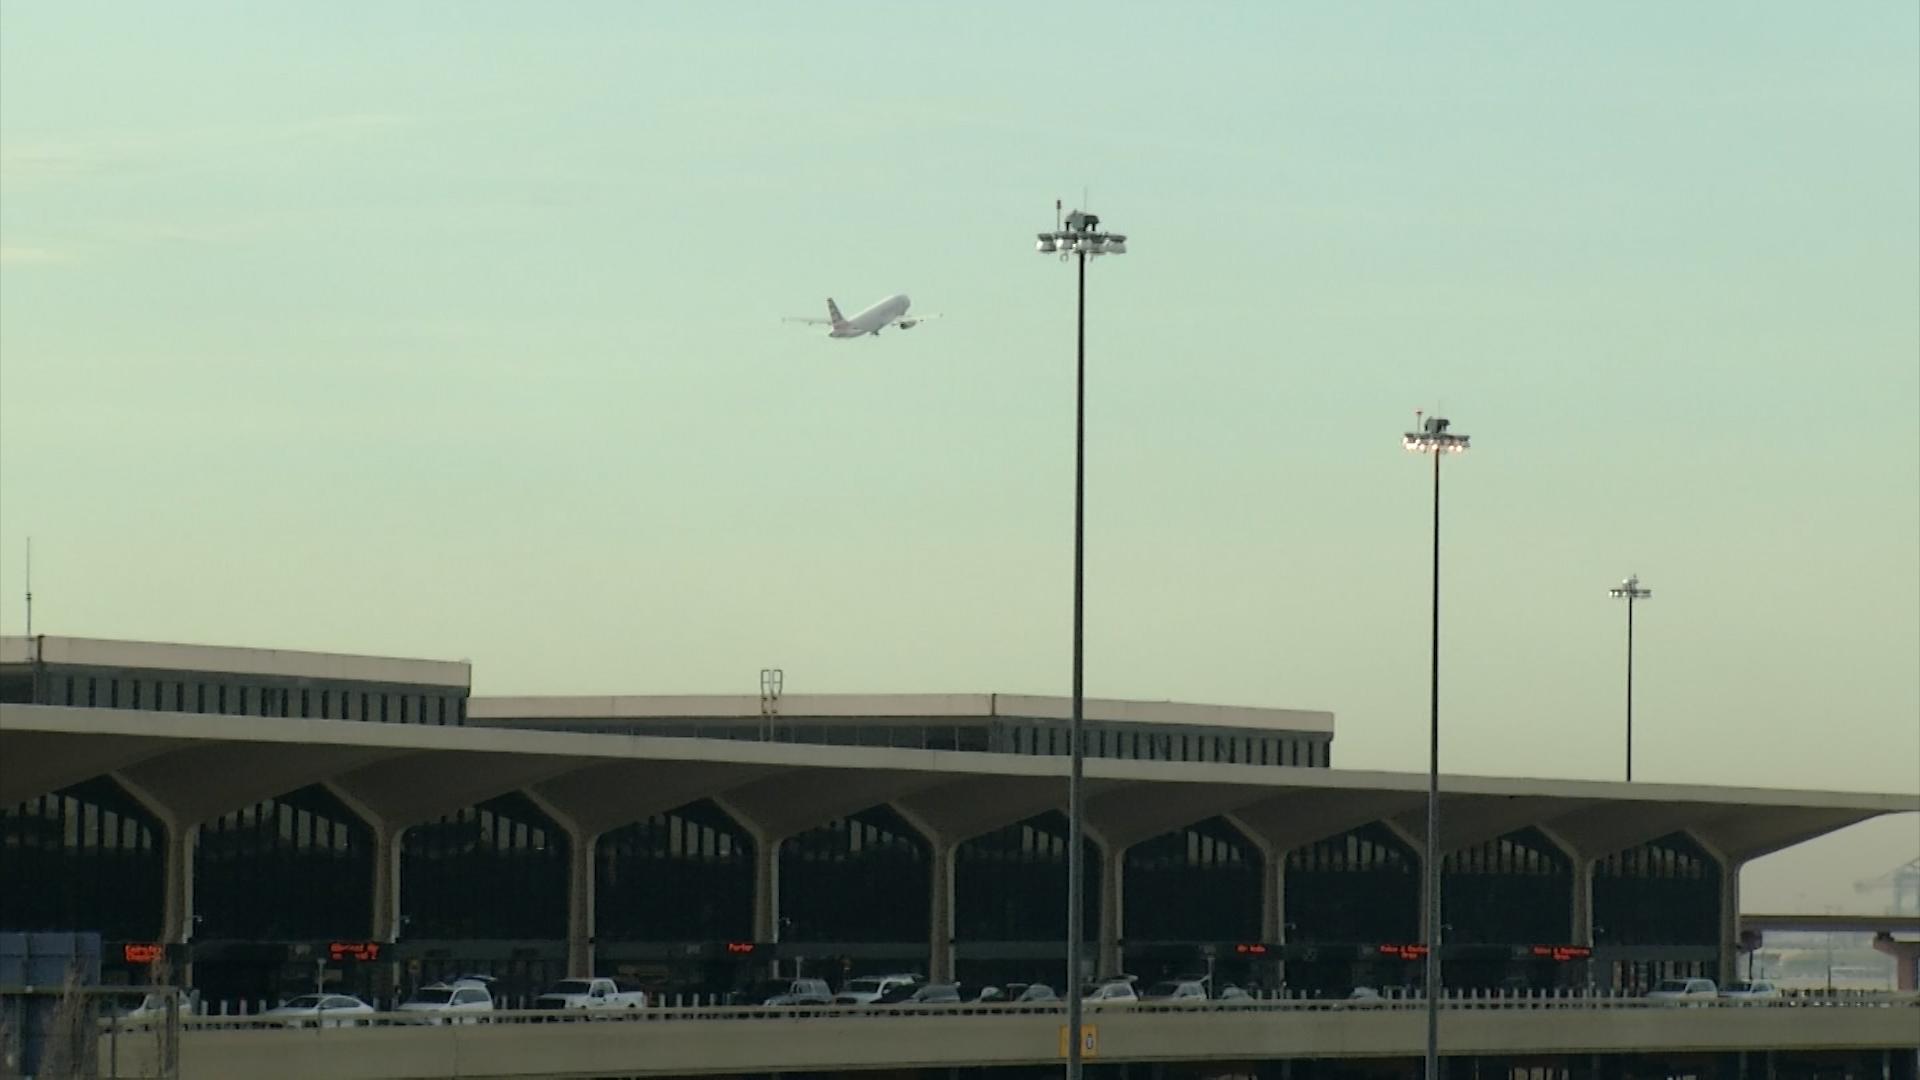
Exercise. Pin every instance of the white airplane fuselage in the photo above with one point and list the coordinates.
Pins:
(874, 319)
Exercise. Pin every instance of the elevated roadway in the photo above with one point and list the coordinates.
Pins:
(1843, 924)
(734, 1041)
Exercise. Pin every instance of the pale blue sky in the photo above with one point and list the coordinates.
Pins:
(452, 330)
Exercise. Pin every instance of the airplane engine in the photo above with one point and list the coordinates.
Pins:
(908, 324)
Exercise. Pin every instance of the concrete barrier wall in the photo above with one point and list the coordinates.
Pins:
(813, 1043)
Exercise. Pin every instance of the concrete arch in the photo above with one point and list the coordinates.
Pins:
(89, 854)
(683, 874)
(861, 878)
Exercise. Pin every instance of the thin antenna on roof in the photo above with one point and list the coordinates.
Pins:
(772, 680)
(1057, 219)
(29, 588)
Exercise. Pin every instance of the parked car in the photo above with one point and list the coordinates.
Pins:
(868, 989)
(437, 1001)
(898, 994)
(141, 1010)
(1681, 991)
(1234, 995)
(1171, 992)
(153, 1006)
(934, 994)
(1750, 991)
(590, 994)
(1363, 997)
(793, 992)
(1112, 992)
(321, 1010)
(1012, 993)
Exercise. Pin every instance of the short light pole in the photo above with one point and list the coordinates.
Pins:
(1078, 235)
(1630, 591)
(1434, 438)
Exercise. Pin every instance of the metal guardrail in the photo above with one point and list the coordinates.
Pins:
(788, 1014)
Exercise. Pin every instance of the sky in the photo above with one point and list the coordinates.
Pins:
(453, 330)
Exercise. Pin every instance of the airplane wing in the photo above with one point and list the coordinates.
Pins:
(906, 322)
(809, 322)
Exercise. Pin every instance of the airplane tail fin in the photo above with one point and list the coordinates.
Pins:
(833, 313)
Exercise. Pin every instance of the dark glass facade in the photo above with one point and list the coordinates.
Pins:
(495, 870)
(1197, 884)
(685, 875)
(1663, 892)
(294, 868)
(1360, 886)
(244, 695)
(1011, 884)
(87, 857)
(1517, 888)
(862, 878)
(1122, 740)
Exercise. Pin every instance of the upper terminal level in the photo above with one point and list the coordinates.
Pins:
(988, 723)
(159, 677)
(166, 677)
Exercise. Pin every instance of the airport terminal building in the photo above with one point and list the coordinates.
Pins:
(260, 818)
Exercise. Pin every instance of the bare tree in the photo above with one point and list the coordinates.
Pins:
(71, 1050)
(12, 1017)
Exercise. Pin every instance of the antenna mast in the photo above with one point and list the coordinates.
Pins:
(29, 588)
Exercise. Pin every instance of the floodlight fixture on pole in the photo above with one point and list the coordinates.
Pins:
(1630, 591)
(1078, 234)
(1433, 437)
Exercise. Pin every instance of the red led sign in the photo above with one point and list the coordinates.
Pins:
(1404, 952)
(353, 950)
(741, 948)
(1250, 950)
(1562, 953)
(142, 952)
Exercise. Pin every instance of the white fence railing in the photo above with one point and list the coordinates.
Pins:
(748, 1013)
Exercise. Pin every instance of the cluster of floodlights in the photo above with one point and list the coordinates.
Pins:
(1081, 236)
(1434, 438)
(1630, 590)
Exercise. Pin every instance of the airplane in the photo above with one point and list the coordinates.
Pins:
(889, 312)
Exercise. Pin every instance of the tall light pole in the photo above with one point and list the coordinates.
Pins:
(1630, 591)
(1434, 438)
(1078, 236)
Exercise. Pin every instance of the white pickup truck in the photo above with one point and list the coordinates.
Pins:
(592, 994)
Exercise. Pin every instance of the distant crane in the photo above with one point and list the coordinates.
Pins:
(1904, 881)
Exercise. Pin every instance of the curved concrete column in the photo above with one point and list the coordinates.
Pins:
(384, 908)
(176, 920)
(1729, 928)
(176, 909)
(388, 841)
(1582, 920)
(582, 840)
(1417, 847)
(940, 886)
(1273, 900)
(580, 886)
(766, 886)
(940, 915)
(1113, 864)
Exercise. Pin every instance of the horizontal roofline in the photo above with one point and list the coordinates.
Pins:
(232, 660)
(201, 765)
(668, 707)
(222, 728)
